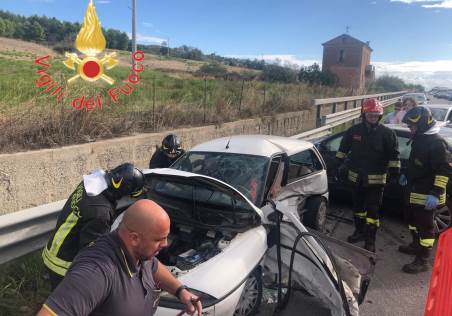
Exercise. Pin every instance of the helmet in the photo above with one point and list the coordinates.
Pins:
(125, 180)
(421, 117)
(372, 106)
(171, 145)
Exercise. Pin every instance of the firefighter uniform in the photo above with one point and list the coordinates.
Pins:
(428, 174)
(85, 216)
(82, 219)
(372, 157)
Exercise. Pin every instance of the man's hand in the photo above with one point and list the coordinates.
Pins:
(192, 303)
(431, 203)
(342, 172)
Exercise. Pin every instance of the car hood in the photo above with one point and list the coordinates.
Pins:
(201, 179)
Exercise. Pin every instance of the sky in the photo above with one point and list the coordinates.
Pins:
(410, 38)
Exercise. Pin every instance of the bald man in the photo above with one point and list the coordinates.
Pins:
(119, 273)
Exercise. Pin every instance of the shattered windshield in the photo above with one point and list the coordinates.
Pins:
(246, 173)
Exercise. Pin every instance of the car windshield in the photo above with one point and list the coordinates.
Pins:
(439, 114)
(246, 173)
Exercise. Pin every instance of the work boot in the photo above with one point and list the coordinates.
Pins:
(360, 231)
(371, 234)
(411, 248)
(420, 263)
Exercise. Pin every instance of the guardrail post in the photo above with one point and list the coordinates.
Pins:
(334, 107)
(318, 117)
(345, 105)
(354, 104)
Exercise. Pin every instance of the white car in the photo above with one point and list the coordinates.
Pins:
(440, 112)
(221, 244)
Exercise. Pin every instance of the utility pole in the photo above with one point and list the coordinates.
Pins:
(167, 48)
(134, 26)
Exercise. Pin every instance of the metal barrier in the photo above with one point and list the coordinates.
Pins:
(27, 230)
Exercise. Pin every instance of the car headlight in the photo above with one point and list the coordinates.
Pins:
(170, 301)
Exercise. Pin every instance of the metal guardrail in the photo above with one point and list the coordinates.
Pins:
(28, 230)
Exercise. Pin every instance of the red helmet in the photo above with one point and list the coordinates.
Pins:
(372, 106)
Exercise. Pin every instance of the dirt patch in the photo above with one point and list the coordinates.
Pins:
(11, 45)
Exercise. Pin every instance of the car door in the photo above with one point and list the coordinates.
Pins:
(328, 148)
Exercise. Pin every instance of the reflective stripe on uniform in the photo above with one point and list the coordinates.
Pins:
(412, 228)
(51, 312)
(340, 155)
(441, 181)
(54, 263)
(352, 176)
(50, 255)
(377, 178)
(361, 214)
(420, 199)
(373, 221)
(427, 242)
(394, 164)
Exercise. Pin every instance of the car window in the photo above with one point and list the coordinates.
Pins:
(439, 114)
(333, 144)
(449, 117)
(404, 147)
(246, 173)
(302, 164)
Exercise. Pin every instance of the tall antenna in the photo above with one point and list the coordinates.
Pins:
(134, 26)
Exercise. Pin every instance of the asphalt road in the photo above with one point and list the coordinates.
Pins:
(391, 292)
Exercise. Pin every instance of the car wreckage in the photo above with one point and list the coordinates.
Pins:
(226, 249)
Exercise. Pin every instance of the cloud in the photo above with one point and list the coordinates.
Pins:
(435, 4)
(426, 73)
(292, 61)
(145, 39)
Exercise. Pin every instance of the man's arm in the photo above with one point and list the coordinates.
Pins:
(83, 288)
(440, 164)
(345, 146)
(96, 224)
(166, 281)
(393, 154)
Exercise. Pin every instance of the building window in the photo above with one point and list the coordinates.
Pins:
(341, 56)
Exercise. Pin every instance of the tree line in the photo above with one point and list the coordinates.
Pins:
(61, 35)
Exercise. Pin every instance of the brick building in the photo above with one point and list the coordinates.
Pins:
(349, 59)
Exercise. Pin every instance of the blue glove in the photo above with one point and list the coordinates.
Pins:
(431, 203)
(403, 180)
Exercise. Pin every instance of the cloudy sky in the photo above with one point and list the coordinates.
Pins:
(409, 38)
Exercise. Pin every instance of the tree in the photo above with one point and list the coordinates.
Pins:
(313, 75)
(33, 31)
(275, 73)
(213, 69)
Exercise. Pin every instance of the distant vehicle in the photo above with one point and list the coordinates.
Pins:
(420, 98)
(440, 112)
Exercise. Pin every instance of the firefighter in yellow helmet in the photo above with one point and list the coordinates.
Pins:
(88, 213)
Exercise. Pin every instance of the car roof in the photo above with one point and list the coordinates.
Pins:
(438, 106)
(258, 145)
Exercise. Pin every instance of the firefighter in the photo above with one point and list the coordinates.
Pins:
(368, 155)
(88, 213)
(168, 153)
(426, 181)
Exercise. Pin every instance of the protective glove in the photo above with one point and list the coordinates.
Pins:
(403, 180)
(431, 203)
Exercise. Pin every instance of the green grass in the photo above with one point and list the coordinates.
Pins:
(23, 288)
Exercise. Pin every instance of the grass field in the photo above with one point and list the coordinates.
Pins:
(168, 95)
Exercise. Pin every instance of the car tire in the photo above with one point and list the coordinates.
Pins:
(251, 297)
(442, 219)
(315, 216)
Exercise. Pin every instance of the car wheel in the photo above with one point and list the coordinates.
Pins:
(251, 297)
(442, 219)
(315, 217)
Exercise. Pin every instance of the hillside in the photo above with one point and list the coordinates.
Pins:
(176, 67)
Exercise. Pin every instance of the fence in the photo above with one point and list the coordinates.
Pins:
(27, 230)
